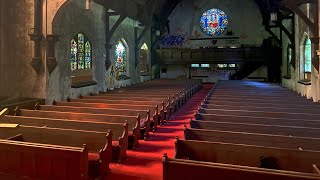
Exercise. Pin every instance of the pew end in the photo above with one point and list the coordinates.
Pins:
(106, 155)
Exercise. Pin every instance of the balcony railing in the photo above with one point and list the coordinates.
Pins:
(212, 55)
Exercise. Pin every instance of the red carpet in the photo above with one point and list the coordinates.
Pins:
(145, 162)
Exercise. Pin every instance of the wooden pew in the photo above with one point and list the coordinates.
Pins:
(42, 161)
(189, 170)
(247, 155)
(257, 128)
(119, 131)
(263, 104)
(99, 144)
(153, 110)
(170, 107)
(133, 121)
(177, 98)
(256, 99)
(313, 110)
(144, 122)
(165, 107)
(269, 140)
(292, 115)
(259, 120)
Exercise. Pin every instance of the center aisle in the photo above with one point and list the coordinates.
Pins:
(145, 162)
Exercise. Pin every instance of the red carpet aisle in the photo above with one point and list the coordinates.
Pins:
(145, 162)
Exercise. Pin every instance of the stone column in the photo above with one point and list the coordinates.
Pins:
(37, 36)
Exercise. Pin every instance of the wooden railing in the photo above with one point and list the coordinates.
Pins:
(210, 55)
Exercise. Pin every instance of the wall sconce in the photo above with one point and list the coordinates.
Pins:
(274, 16)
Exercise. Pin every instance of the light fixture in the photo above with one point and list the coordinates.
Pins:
(274, 16)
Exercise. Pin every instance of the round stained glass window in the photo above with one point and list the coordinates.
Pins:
(214, 22)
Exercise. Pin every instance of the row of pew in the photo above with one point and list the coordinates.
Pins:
(249, 130)
(79, 138)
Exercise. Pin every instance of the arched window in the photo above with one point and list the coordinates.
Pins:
(144, 66)
(121, 59)
(213, 22)
(289, 57)
(81, 52)
(307, 58)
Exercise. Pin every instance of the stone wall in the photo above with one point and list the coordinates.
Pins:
(301, 31)
(69, 20)
(17, 77)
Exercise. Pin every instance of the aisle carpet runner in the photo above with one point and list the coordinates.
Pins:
(145, 162)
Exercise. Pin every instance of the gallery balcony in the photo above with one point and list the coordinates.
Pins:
(211, 55)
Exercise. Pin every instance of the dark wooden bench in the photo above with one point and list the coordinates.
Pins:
(189, 170)
(99, 144)
(291, 115)
(257, 128)
(270, 140)
(259, 120)
(263, 104)
(247, 107)
(42, 161)
(119, 131)
(164, 111)
(144, 121)
(153, 110)
(133, 121)
(248, 155)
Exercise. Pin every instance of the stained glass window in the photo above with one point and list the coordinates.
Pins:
(307, 55)
(144, 67)
(81, 52)
(74, 51)
(121, 59)
(213, 22)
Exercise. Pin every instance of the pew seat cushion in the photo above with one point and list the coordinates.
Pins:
(94, 165)
(93, 156)
(115, 150)
(130, 140)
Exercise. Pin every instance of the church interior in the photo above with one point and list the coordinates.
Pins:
(159, 89)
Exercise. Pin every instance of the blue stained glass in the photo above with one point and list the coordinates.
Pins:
(213, 22)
